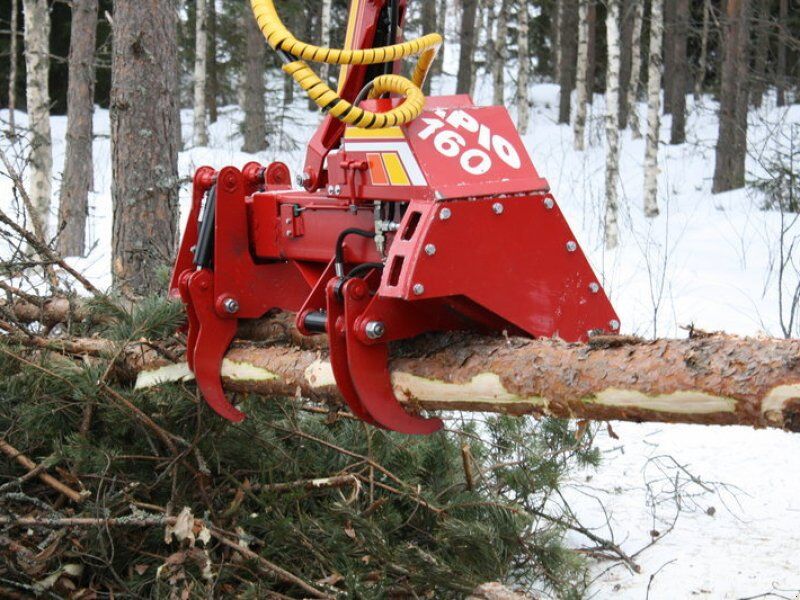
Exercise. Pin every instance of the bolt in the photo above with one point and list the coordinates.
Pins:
(288, 233)
(430, 249)
(594, 287)
(571, 246)
(231, 306)
(498, 208)
(337, 190)
(375, 330)
(549, 204)
(303, 179)
(445, 214)
(419, 289)
(330, 190)
(288, 221)
(614, 325)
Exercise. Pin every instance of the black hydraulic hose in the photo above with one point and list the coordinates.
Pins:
(363, 269)
(339, 256)
(204, 251)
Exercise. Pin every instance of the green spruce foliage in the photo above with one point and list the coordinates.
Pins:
(429, 517)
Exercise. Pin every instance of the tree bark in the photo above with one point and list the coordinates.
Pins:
(668, 53)
(325, 37)
(523, 107)
(591, 67)
(200, 73)
(636, 69)
(680, 68)
(729, 170)
(255, 118)
(612, 124)
(568, 39)
(37, 61)
(711, 380)
(467, 49)
(581, 95)
(145, 138)
(441, 27)
(702, 67)
(500, 55)
(626, 57)
(429, 24)
(558, 12)
(653, 109)
(762, 24)
(783, 41)
(212, 84)
(13, 64)
(79, 166)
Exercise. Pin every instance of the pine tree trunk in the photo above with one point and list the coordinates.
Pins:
(200, 73)
(441, 27)
(557, 20)
(591, 66)
(523, 107)
(729, 170)
(679, 70)
(79, 166)
(145, 141)
(325, 37)
(12, 70)
(568, 39)
(500, 55)
(612, 124)
(712, 380)
(580, 77)
(653, 109)
(467, 50)
(636, 69)
(626, 57)
(668, 53)
(429, 24)
(783, 41)
(759, 78)
(37, 61)
(255, 118)
(702, 68)
(212, 84)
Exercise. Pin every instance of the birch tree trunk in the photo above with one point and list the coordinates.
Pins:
(500, 55)
(12, 70)
(729, 169)
(569, 54)
(653, 109)
(558, 10)
(325, 37)
(712, 380)
(679, 70)
(523, 107)
(783, 41)
(580, 76)
(37, 61)
(255, 118)
(636, 69)
(79, 166)
(702, 67)
(200, 73)
(467, 47)
(626, 8)
(145, 138)
(212, 83)
(441, 27)
(612, 124)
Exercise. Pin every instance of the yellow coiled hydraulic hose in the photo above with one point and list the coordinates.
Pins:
(282, 40)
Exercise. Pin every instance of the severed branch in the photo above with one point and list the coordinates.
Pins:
(38, 470)
(713, 380)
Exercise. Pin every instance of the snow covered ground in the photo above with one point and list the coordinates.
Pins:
(707, 260)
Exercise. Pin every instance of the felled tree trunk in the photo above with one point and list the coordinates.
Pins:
(712, 380)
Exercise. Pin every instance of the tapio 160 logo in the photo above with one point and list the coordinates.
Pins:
(477, 159)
